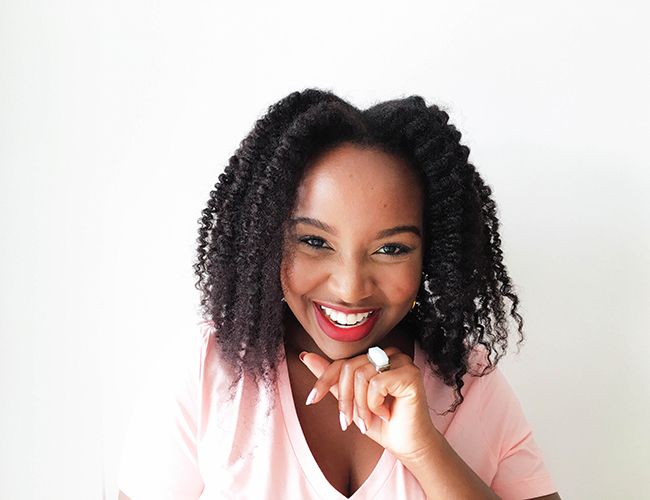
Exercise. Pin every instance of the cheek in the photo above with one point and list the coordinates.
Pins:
(401, 285)
(300, 275)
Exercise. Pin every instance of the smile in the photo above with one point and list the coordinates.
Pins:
(344, 327)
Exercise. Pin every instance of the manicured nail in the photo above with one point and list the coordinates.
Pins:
(362, 426)
(302, 355)
(311, 397)
(343, 421)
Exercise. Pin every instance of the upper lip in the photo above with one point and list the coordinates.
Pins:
(347, 311)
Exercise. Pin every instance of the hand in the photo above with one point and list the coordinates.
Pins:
(366, 396)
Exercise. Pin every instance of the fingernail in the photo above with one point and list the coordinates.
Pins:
(311, 397)
(343, 421)
(302, 355)
(362, 426)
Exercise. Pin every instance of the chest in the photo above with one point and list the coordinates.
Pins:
(346, 459)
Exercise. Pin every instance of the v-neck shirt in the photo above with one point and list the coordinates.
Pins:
(187, 439)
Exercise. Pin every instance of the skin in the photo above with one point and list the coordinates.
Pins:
(357, 193)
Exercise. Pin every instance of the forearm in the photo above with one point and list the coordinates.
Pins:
(442, 474)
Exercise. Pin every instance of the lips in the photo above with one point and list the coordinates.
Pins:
(349, 334)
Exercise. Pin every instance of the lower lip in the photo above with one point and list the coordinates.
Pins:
(352, 334)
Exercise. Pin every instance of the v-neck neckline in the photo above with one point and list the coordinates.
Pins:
(373, 483)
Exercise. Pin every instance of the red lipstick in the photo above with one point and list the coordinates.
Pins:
(349, 334)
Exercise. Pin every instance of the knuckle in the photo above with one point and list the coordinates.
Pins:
(345, 369)
(374, 384)
(374, 408)
(403, 357)
(324, 383)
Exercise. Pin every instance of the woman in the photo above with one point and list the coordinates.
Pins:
(351, 272)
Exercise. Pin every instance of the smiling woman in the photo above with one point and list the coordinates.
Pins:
(332, 231)
(354, 246)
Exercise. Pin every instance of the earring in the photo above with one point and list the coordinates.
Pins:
(283, 299)
(413, 306)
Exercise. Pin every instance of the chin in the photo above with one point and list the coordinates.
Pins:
(347, 350)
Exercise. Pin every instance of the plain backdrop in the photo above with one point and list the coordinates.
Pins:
(117, 117)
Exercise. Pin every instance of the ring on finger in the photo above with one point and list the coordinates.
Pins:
(379, 359)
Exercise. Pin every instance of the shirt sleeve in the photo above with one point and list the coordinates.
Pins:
(159, 456)
(521, 473)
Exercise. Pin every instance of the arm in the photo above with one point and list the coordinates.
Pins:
(443, 474)
(407, 430)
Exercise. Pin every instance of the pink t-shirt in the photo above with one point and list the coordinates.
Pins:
(187, 441)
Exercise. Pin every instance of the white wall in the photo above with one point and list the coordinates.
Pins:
(117, 117)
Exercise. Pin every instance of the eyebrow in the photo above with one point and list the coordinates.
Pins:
(384, 233)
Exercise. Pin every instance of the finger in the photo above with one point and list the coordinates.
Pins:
(328, 372)
(316, 364)
(390, 351)
(361, 377)
(397, 358)
(324, 372)
(373, 402)
(401, 382)
(346, 387)
(376, 395)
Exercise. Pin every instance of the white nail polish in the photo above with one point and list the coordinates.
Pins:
(311, 397)
(343, 421)
(362, 426)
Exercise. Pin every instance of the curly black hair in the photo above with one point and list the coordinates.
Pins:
(460, 303)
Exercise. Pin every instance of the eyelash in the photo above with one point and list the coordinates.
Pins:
(403, 250)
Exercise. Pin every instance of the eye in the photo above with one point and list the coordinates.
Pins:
(313, 242)
(395, 249)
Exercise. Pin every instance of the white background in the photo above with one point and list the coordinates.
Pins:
(117, 117)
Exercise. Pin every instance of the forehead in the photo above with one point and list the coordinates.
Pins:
(358, 185)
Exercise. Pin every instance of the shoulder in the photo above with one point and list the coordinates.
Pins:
(503, 419)
(488, 379)
(478, 361)
(206, 336)
(490, 398)
(213, 362)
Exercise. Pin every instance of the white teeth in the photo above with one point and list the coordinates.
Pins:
(345, 319)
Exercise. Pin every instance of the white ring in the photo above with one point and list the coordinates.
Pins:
(379, 359)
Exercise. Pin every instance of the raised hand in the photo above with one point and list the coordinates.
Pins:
(389, 407)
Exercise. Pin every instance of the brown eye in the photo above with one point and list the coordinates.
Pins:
(395, 249)
(313, 242)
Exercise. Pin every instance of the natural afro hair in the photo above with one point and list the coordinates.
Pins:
(460, 303)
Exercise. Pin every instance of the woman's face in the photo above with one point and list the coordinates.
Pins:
(355, 246)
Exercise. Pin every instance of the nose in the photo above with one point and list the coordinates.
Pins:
(352, 282)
